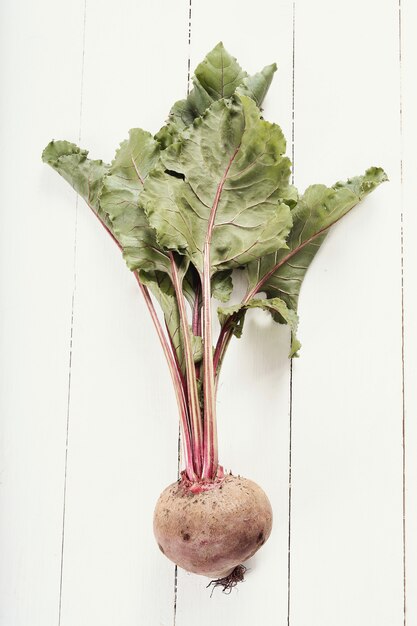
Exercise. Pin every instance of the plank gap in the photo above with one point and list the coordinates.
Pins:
(403, 426)
(291, 362)
(74, 288)
(179, 429)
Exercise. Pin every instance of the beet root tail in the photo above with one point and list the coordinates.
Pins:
(228, 582)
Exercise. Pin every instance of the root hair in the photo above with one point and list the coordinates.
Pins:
(230, 581)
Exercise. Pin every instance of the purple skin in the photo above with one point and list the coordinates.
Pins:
(211, 532)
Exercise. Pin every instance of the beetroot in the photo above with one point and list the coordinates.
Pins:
(212, 531)
(210, 193)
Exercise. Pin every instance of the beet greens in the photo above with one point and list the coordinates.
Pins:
(209, 193)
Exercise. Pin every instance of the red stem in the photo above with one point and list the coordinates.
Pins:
(210, 450)
(192, 390)
(177, 363)
(196, 326)
(196, 312)
(220, 345)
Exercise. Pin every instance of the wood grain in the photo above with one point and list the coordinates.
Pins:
(41, 82)
(346, 548)
(123, 419)
(408, 59)
(88, 425)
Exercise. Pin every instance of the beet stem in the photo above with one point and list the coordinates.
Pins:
(192, 391)
(210, 447)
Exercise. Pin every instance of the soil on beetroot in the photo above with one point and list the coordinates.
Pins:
(212, 532)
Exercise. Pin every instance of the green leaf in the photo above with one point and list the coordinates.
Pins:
(191, 285)
(229, 166)
(256, 86)
(281, 274)
(222, 285)
(112, 192)
(120, 196)
(197, 346)
(218, 76)
(83, 174)
(277, 307)
(182, 114)
(122, 187)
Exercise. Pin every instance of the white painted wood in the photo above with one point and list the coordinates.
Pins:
(347, 483)
(123, 421)
(253, 403)
(40, 75)
(346, 544)
(409, 135)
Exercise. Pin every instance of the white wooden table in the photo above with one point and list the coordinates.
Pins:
(333, 440)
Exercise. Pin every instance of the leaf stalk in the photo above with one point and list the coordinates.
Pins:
(192, 390)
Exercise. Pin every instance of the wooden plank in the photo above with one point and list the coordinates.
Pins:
(123, 421)
(346, 544)
(40, 71)
(253, 401)
(409, 140)
(346, 539)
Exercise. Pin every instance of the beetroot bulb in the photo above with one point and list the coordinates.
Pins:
(213, 530)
